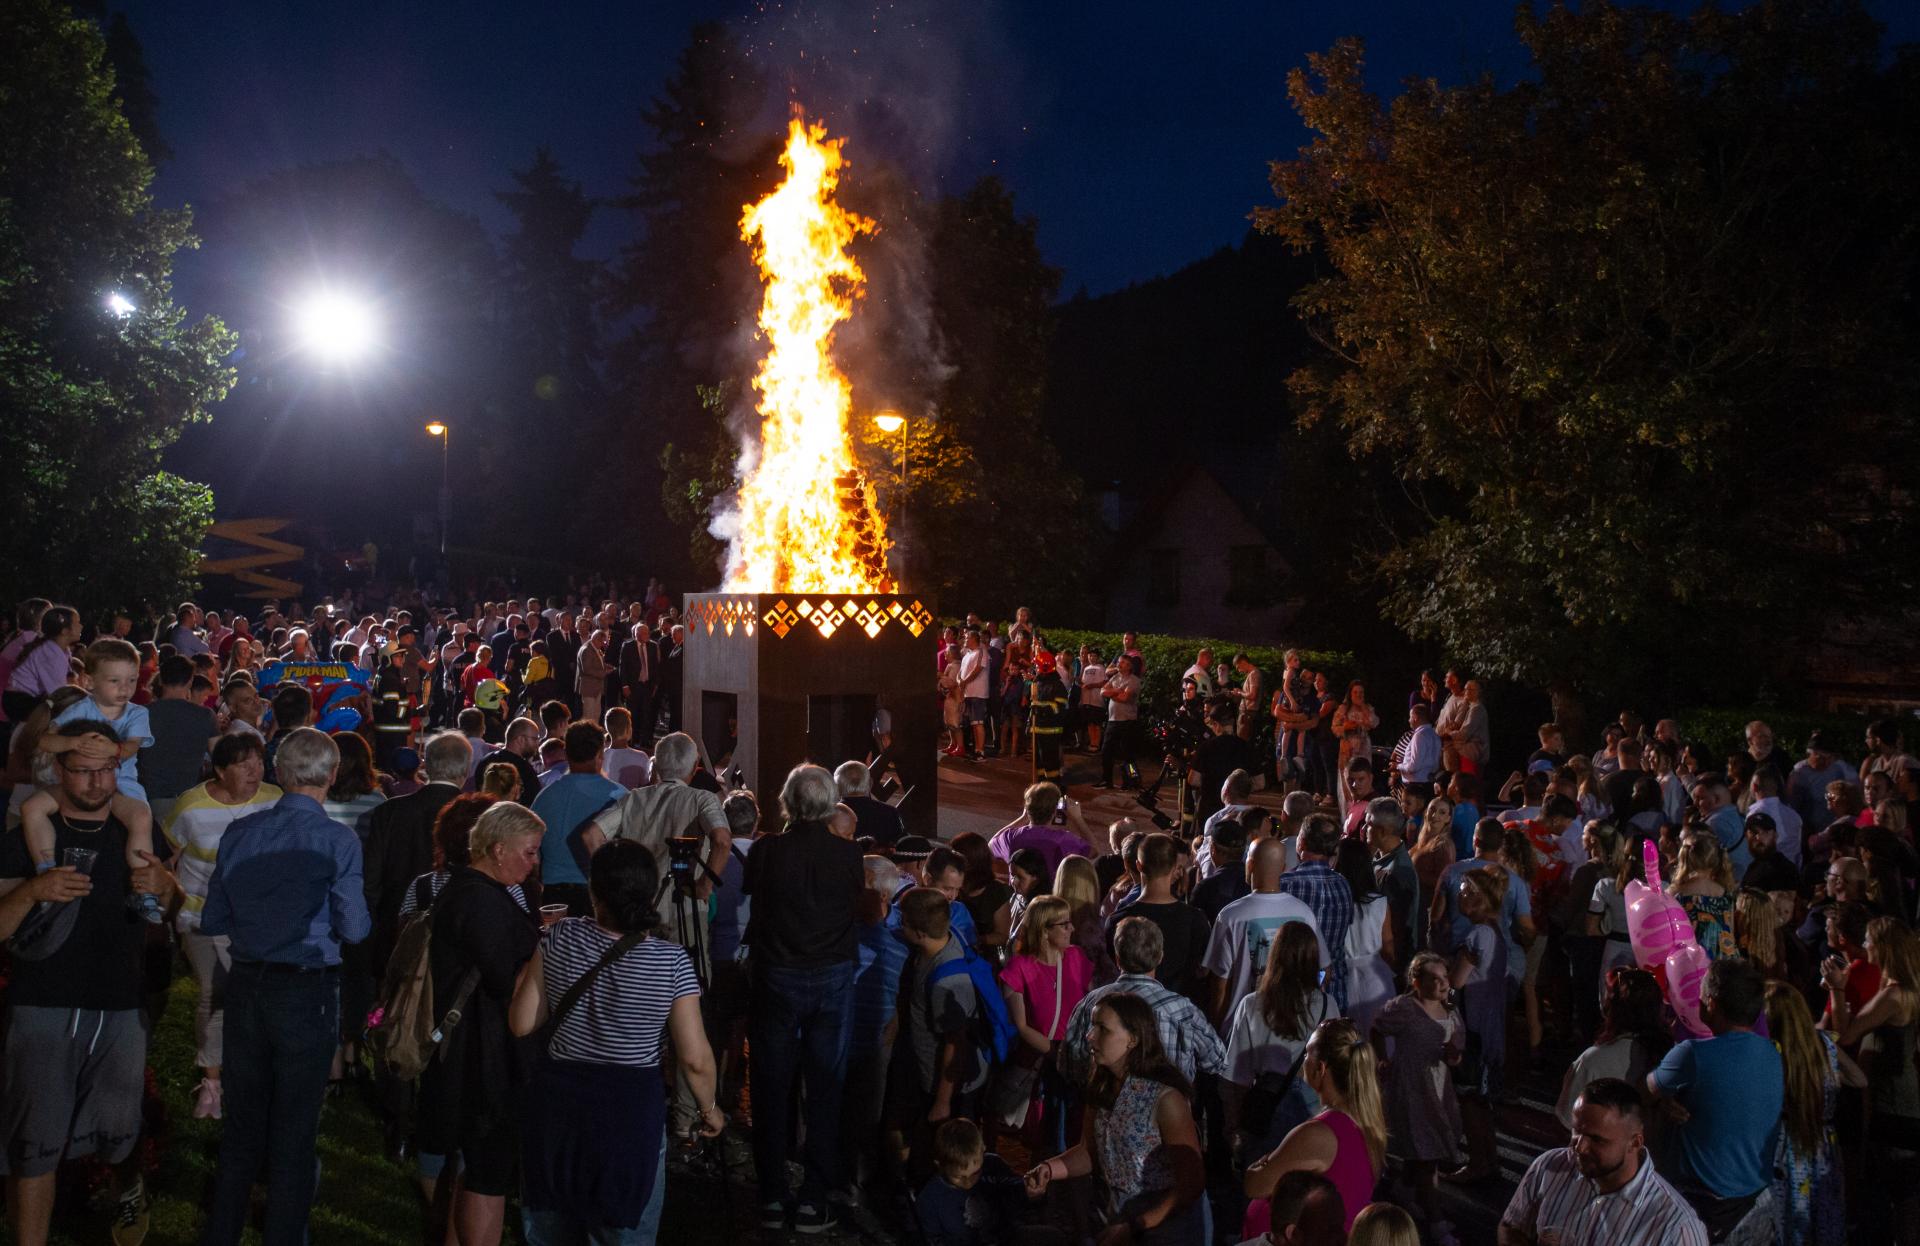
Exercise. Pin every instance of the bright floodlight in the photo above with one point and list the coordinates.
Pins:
(890, 421)
(335, 326)
(436, 429)
(120, 305)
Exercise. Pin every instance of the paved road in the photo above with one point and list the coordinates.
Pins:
(982, 797)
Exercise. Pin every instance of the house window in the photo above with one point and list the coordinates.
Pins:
(1163, 577)
(1249, 579)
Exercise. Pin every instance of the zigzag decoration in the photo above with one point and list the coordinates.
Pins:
(255, 532)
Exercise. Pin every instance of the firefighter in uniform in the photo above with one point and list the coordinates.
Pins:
(1047, 719)
(392, 707)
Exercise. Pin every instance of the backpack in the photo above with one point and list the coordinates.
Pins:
(997, 1033)
(404, 1028)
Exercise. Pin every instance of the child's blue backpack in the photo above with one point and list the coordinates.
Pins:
(997, 1032)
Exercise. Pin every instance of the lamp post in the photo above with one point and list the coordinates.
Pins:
(891, 422)
(445, 434)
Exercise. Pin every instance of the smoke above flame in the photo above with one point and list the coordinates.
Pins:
(805, 518)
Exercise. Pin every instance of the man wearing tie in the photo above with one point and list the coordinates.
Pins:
(640, 674)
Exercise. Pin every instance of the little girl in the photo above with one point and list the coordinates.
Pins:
(113, 673)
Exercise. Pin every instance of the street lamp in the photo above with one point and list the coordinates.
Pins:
(445, 434)
(120, 305)
(891, 422)
(335, 326)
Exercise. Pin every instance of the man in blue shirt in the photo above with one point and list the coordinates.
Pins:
(1449, 926)
(287, 892)
(566, 805)
(1714, 799)
(1729, 1089)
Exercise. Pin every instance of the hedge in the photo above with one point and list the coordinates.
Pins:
(1168, 658)
(1724, 730)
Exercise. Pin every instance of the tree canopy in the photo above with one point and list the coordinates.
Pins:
(1635, 332)
(99, 369)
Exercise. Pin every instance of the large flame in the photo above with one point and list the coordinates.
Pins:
(806, 520)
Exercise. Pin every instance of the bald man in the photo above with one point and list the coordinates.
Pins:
(1237, 952)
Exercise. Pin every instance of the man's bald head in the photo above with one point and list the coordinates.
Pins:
(1268, 863)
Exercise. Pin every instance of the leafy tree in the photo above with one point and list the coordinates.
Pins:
(1028, 532)
(91, 396)
(548, 362)
(1635, 333)
(684, 291)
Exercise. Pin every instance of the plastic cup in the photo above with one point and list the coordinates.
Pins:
(551, 913)
(81, 859)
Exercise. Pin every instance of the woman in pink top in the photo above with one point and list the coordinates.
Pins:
(45, 663)
(1347, 1142)
(1043, 981)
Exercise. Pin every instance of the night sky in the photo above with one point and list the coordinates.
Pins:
(1137, 133)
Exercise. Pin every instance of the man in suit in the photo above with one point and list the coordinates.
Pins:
(563, 652)
(400, 839)
(639, 675)
(670, 665)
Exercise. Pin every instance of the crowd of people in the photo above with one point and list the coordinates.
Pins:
(504, 898)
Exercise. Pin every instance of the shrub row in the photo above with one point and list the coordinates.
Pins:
(1724, 729)
(1168, 657)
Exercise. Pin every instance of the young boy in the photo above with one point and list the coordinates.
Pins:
(973, 1198)
(624, 764)
(937, 1066)
(113, 673)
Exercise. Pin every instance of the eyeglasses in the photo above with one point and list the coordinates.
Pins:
(89, 771)
(1062, 922)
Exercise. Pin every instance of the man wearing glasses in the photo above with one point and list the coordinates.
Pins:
(76, 1046)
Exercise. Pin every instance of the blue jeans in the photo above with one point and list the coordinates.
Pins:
(281, 1029)
(799, 1029)
(557, 1228)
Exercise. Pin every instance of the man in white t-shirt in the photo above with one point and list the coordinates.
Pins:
(1093, 710)
(1201, 672)
(974, 690)
(1245, 929)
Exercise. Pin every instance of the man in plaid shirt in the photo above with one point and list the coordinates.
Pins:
(1191, 1043)
(1326, 893)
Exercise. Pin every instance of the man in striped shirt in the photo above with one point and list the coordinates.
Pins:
(1602, 1190)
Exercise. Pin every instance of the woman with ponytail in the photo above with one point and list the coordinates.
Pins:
(1347, 1143)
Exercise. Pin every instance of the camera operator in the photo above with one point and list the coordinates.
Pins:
(1221, 752)
(671, 809)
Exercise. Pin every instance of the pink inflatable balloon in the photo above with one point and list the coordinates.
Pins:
(1656, 924)
(1686, 970)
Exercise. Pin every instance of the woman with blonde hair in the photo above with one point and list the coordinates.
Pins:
(1703, 884)
(1433, 851)
(1383, 1224)
(1479, 974)
(1077, 882)
(1347, 1142)
(1809, 1197)
(1884, 1028)
(1043, 981)
(1423, 1112)
(501, 781)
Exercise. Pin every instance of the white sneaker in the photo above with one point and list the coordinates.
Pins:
(206, 1100)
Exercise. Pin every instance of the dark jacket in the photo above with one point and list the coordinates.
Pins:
(469, 1090)
(399, 849)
